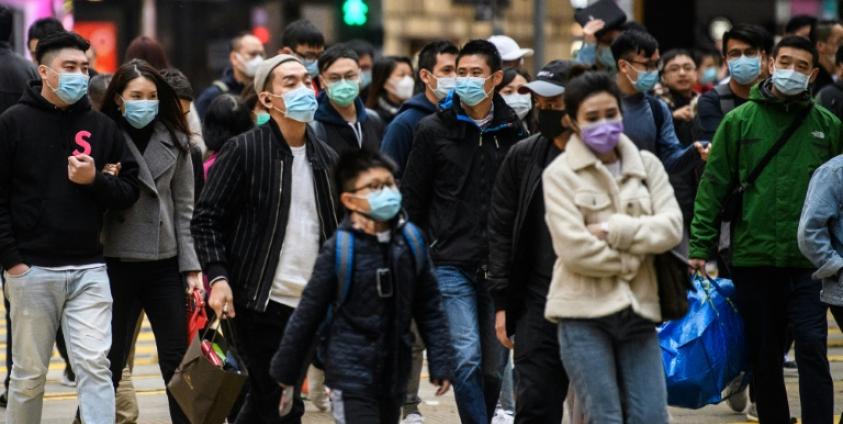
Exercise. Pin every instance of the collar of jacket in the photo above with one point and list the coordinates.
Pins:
(234, 86)
(311, 144)
(763, 93)
(326, 112)
(420, 102)
(503, 116)
(579, 156)
(158, 152)
(395, 228)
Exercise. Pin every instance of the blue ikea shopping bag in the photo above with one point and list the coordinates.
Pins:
(704, 351)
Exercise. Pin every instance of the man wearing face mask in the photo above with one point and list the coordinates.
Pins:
(52, 199)
(437, 72)
(775, 289)
(647, 120)
(521, 254)
(745, 50)
(246, 55)
(342, 120)
(273, 187)
(447, 188)
(305, 41)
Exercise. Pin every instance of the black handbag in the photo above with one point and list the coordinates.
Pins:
(674, 284)
(733, 204)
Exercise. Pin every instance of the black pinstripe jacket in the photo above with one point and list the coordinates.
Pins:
(239, 223)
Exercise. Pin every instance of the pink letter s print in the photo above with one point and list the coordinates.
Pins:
(82, 141)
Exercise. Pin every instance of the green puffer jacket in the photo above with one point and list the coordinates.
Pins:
(765, 235)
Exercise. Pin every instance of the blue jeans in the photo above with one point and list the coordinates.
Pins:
(78, 301)
(479, 357)
(615, 367)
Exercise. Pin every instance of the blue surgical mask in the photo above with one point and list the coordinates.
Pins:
(300, 104)
(72, 86)
(384, 204)
(472, 90)
(365, 78)
(312, 66)
(521, 104)
(261, 118)
(790, 82)
(604, 57)
(139, 113)
(709, 76)
(646, 81)
(744, 69)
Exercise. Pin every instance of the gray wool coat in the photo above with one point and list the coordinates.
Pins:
(158, 225)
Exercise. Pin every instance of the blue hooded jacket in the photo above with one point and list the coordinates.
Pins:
(398, 138)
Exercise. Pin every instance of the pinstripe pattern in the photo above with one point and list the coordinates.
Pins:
(239, 222)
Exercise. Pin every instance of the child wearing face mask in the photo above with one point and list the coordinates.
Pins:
(371, 279)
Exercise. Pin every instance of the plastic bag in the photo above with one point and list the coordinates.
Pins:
(704, 351)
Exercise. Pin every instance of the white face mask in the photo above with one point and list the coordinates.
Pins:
(444, 85)
(250, 67)
(404, 87)
(520, 103)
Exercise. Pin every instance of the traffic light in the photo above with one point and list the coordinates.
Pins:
(355, 12)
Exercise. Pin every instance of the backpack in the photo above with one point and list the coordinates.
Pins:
(344, 267)
(658, 112)
(221, 85)
(727, 98)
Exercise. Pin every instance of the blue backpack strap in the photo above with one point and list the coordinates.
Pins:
(415, 239)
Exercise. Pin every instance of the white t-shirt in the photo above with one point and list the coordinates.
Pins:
(301, 239)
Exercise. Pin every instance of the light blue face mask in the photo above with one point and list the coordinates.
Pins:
(472, 90)
(72, 86)
(312, 66)
(790, 82)
(300, 104)
(745, 69)
(139, 113)
(709, 76)
(365, 78)
(261, 118)
(604, 57)
(384, 204)
(646, 81)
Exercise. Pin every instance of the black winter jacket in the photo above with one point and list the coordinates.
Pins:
(331, 128)
(447, 185)
(15, 74)
(239, 223)
(518, 183)
(45, 219)
(369, 346)
(831, 97)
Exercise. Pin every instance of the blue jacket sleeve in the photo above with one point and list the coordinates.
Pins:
(821, 209)
(675, 158)
(397, 142)
(587, 55)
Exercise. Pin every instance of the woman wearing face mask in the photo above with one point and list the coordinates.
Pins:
(148, 247)
(227, 117)
(392, 85)
(522, 104)
(609, 209)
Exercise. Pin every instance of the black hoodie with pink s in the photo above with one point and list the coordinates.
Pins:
(45, 219)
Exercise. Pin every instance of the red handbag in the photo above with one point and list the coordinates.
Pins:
(197, 318)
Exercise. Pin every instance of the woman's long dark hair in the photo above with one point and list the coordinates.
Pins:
(169, 110)
(381, 71)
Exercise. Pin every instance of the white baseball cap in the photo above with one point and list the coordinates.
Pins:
(508, 48)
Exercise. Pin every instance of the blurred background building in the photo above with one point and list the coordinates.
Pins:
(195, 33)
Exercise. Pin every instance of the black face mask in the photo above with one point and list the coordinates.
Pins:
(550, 123)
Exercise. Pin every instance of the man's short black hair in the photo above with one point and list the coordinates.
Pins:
(671, 54)
(703, 52)
(821, 30)
(43, 27)
(6, 23)
(178, 80)
(754, 35)
(428, 55)
(362, 47)
(335, 53)
(799, 21)
(797, 42)
(352, 164)
(485, 49)
(57, 41)
(301, 32)
(632, 43)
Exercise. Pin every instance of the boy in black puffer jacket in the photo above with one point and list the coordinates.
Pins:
(371, 279)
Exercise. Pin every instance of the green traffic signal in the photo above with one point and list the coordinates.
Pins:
(355, 12)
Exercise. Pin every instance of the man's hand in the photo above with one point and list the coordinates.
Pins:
(703, 150)
(112, 169)
(221, 300)
(286, 402)
(599, 231)
(695, 265)
(500, 329)
(18, 269)
(591, 28)
(443, 386)
(684, 113)
(81, 169)
(194, 282)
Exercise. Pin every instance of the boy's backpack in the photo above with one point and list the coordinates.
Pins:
(344, 266)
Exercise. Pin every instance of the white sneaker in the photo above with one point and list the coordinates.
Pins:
(68, 378)
(413, 418)
(752, 413)
(503, 417)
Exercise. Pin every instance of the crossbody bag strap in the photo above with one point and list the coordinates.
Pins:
(786, 135)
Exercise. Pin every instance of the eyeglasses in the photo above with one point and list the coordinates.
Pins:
(375, 186)
(648, 66)
(334, 78)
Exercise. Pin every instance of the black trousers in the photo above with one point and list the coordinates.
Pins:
(258, 336)
(770, 300)
(353, 408)
(155, 287)
(541, 383)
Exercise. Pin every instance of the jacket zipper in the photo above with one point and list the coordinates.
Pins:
(272, 238)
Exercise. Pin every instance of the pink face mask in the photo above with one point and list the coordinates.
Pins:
(601, 137)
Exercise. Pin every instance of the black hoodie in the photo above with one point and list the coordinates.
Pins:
(45, 219)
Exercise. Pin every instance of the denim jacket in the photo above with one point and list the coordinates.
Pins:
(820, 233)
